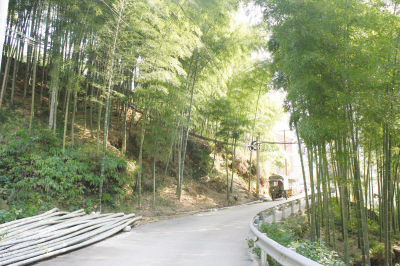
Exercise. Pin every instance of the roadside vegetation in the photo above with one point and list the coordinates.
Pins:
(125, 104)
(138, 76)
(338, 63)
(294, 232)
(36, 176)
(113, 102)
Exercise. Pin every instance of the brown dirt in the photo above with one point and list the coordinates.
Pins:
(207, 193)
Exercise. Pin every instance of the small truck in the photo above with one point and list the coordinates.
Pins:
(278, 186)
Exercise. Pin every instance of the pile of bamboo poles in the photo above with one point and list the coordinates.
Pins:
(54, 232)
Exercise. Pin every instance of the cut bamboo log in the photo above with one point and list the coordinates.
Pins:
(51, 233)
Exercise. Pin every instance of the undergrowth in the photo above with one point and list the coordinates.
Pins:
(35, 175)
(289, 234)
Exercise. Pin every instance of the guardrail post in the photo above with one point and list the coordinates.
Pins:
(292, 208)
(299, 200)
(264, 261)
(268, 248)
(273, 215)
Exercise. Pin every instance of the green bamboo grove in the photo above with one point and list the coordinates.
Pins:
(177, 66)
(338, 63)
(187, 66)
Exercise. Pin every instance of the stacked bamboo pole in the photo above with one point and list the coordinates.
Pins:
(35, 238)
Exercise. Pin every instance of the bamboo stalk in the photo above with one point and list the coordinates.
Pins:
(88, 242)
(63, 244)
(28, 218)
(51, 233)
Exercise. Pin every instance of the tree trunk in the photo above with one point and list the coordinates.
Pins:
(33, 89)
(108, 100)
(124, 139)
(227, 171)
(233, 163)
(91, 110)
(215, 148)
(139, 180)
(73, 118)
(251, 161)
(362, 226)
(313, 215)
(171, 149)
(304, 175)
(3, 87)
(100, 103)
(180, 164)
(66, 118)
(29, 55)
(46, 34)
(54, 88)
(154, 166)
(15, 72)
(188, 127)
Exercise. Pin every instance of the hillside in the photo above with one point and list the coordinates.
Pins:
(32, 179)
(99, 102)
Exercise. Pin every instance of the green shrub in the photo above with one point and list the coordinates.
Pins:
(20, 209)
(298, 225)
(277, 233)
(3, 116)
(317, 251)
(377, 254)
(200, 158)
(33, 170)
(373, 227)
(288, 234)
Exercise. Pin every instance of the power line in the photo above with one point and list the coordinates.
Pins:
(205, 46)
(271, 142)
(140, 36)
(253, 146)
(23, 36)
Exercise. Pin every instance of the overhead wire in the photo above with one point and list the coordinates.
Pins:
(140, 36)
(205, 46)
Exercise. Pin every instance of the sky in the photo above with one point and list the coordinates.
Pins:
(252, 14)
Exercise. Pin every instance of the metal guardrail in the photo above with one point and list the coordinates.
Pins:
(283, 255)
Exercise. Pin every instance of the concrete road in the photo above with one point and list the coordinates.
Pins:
(211, 238)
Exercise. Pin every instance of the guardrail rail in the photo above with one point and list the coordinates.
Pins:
(283, 255)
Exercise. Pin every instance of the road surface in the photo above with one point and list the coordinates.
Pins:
(209, 238)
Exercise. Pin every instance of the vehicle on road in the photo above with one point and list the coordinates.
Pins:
(281, 186)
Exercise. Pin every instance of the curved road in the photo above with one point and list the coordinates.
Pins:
(211, 238)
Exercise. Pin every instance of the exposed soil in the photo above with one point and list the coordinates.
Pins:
(207, 193)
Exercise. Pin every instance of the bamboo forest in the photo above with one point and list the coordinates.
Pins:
(154, 105)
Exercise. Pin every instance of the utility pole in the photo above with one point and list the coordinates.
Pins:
(251, 157)
(284, 148)
(3, 24)
(256, 145)
(258, 165)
